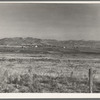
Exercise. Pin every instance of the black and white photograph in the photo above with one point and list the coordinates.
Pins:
(49, 48)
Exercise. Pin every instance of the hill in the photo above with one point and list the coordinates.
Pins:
(48, 45)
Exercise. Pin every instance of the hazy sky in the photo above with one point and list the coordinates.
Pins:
(54, 21)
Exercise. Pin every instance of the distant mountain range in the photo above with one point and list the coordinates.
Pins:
(78, 46)
(30, 40)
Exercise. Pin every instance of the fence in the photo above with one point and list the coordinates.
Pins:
(91, 73)
(86, 83)
(90, 80)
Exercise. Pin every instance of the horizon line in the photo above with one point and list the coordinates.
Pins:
(50, 39)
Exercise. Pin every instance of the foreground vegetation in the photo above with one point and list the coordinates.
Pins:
(46, 73)
(32, 83)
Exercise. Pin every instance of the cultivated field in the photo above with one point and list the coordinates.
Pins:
(48, 73)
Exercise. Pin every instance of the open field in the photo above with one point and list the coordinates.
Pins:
(65, 73)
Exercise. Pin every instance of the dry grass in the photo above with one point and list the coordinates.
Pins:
(33, 83)
(47, 73)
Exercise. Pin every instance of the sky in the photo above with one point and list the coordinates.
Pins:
(50, 21)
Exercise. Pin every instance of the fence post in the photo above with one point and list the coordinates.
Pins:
(90, 80)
